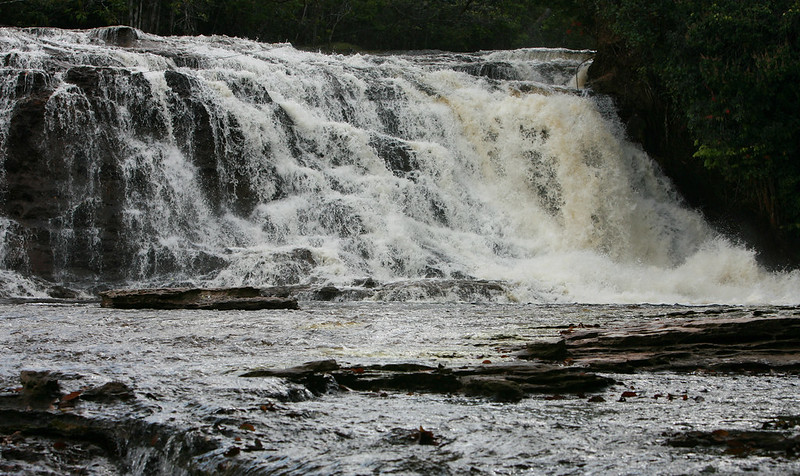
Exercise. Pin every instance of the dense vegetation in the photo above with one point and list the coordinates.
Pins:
(728, 70)
(456, 25)
(731, 70)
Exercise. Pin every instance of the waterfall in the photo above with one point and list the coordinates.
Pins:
(218, 161)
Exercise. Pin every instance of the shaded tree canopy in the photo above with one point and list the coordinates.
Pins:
(456, 25)
(730, 69)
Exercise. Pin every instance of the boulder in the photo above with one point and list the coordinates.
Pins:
(241, 298)
(507, 382)
(742, 344)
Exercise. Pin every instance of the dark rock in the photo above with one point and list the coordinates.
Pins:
(109, 392)
(368, 283)
(741, 442)
(327, 293)
(308, 368)
(504, 382)
(62, 292)
(731, 345)
(498, 389)
(39, 389)
(124, 36)
(107, 446)
(243, 298)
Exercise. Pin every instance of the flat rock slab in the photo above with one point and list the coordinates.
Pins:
(741, 442)
(502, 382)
(745, 344)
(242, 298)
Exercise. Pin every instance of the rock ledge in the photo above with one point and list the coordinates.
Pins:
(242, 298)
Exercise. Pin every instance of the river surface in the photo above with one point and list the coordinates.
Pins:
(185, 368)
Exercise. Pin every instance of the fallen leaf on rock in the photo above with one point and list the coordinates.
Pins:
(596, 399)
(247, 426)
(628, 394)
(487, 361)
(71, 396)
(425, 437)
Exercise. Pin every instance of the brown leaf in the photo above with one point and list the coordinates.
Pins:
(71, 396)
(247, 426)
(628, 394)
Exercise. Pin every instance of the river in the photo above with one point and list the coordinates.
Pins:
(185, 368)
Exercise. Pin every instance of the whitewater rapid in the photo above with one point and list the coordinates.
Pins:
(229, 162)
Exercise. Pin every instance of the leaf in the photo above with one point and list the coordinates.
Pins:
(628, 394)
(247, 426)
(71, 396)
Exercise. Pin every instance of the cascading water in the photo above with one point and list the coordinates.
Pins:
(220, 161)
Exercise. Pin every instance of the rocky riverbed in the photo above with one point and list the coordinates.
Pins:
(357, 388)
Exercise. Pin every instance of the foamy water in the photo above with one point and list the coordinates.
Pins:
(244, 163)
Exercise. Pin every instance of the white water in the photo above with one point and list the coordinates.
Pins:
(325, 169)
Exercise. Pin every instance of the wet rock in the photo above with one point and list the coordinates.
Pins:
(109, 392)
(124, 36)
(741, 442)
(66, 443)
(328, 293)
(39, 389)
(62, 292)
(496, 388)
(757, 344)
(308, 368)
(243, 298)
(501, 382)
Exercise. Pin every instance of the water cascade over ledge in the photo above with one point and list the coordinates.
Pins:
(135, 160)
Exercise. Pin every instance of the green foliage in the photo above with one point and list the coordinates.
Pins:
(456, 25)
(732, 69)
